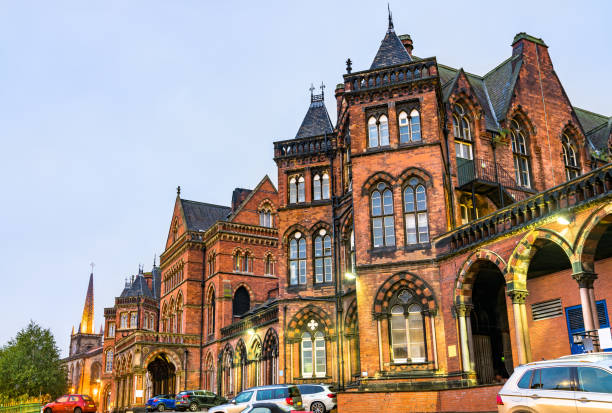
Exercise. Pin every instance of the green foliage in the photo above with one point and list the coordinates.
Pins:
(30, 365)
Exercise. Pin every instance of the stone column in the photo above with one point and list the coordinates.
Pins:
(462, 310)
(589, 311)
(594, 308)
(521, 329)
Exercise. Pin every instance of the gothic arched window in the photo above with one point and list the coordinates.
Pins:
(323, 259)
(293, 190)
(407, 329)
(211, 312)
(570, 158)
(325, 186)
(301, 190)
(313, 354)
(241, 302)
(462, 132)
(410, 126)
(520, 153)
(320, 187)
(378, 131)
(297, 260)
(269, 265)
(383, 223)
(109, 361)
(238, 261)
(415, 213)
(265, 218)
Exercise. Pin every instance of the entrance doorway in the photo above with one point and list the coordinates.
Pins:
(489, 323)
(162, 375)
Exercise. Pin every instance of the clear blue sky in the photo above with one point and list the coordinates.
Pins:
(107, 106)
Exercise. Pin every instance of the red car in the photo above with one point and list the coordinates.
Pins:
(71, 403)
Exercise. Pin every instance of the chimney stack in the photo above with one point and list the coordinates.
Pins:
(407, 42)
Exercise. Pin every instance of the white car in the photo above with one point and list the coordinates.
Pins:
(286, 396)
(318, 398)
(578, 383)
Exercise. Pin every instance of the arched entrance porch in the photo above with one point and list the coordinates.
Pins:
(161, 375)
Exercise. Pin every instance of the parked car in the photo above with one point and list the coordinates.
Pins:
(194, 400)
(317, 397)
(265, 408)
(161, 402)
(578, 383)
(286, 396)
(70, 403)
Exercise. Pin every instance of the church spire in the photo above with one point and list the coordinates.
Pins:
(390, 18)
(87, 321)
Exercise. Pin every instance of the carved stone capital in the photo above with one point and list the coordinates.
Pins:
(463, 310)
(518, 296)
(585, 279)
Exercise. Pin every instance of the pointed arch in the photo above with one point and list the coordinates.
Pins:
(350, 320)
(320, 225)
(519, 113)
(270, 344)
(375, 178)
(293, 229)
(418, 172)
(403, 280)
(300, 320)
(467, 273)
(589, 235)
(518, 263)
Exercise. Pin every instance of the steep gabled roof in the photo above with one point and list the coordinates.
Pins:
(500, 83)
(596, 127)
(249, 196)
(317, 121)
(590, 120)
(200, 216)
(391, 51)
(137, 288)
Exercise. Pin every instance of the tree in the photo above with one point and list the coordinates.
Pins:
(30, 365)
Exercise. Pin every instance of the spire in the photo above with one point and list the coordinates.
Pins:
(87, 321)
(317, 121)
(72, 331)
(390, 18)
(178, 191)
(391, 51)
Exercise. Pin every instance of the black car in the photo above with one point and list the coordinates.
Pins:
(194, 400)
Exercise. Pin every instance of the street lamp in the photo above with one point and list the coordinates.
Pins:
(349, 275)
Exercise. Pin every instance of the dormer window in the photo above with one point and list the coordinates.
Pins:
(463, 134)
(378, 131)
(265, 218)
(410, 126)
(320, 186)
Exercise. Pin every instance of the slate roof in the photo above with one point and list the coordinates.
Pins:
(316, 122)
(597, 128)
(201, 216)
(137, 288)
(391, 51)
(156, 282)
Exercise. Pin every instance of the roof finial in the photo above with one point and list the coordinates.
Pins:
(92, 265)
(322, 89)
(178, 190)
(312, 89)
(154, 259)
(349, 65)
(390, 17)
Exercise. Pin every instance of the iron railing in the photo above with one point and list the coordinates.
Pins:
(484, 170)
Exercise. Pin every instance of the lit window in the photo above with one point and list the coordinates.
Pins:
(415, 213)
(297, 260)
(323, 263)
(407, 330)
(378, 131)
(383, 223)
(238, 261)
(109, 361)
(111, 330)
(313, 355)
(521, 155)
(133, 320)
(124, 320)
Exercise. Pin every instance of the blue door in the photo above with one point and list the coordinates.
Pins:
(575, 322)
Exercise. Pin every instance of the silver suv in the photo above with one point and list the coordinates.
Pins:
(286, 396)
(317, 397)
(578, 383)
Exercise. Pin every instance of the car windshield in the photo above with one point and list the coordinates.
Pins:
(244, 397)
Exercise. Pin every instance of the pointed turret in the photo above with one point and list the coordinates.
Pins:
(87, 321)
(391, 51)
(317, 121)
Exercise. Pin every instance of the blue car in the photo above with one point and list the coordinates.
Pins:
(161, 402)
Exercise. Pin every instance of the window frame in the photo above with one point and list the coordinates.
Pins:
(405, 306)
(301, 262)
(462, 121)
(521, 160)
(381, 188)
(572, 171)
(414, 184)
(315, 337)
(325, 258)
(377, 124)
(413, 135)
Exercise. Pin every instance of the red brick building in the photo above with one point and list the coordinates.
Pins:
(449, 227)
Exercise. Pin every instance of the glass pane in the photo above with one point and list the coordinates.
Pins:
(421, 198)
(555, 378)
(373, 135)
(376, 206)
(293, 267)
(411, 237)
(292, 192)
(384, 131)
(318, 247)
(325, 194)
(293, 249)
(415, 332)
(387, 202)
(328, 269)
(398, 334)
(327, 245)
(377, 232)
(404, 134)
(408, 199)
(302, 251)
(301, 192)
(415, 125)
(389, 231)
(594, 380)
(319, 270)
(302, 271)
(525, 380)
(423, 228)
(317, 188)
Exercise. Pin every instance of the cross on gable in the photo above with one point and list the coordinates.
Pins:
(312, 324)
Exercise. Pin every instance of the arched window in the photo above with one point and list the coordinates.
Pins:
(247, 263)
(410, 126)
(378, 131)
(350, 248)
(316, 187)
(241, 302)
(520, 153)
(323, 260)
(313, 354)
(325, 187)
(463, 134)
(383, 223)
(152, 322)
(133, 320)
(570, 158)
(265, 218)
(109, 361)
(301, 190)
(211, 312)
(297, 260)
(269, 265)
(293, 190)
(415, 213)
(407, 329)
(238, 261)
(211, 263)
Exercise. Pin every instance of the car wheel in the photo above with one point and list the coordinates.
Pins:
(77, 410)
(317, 407)
(193, 407)
(48, 410)
(161, 407)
